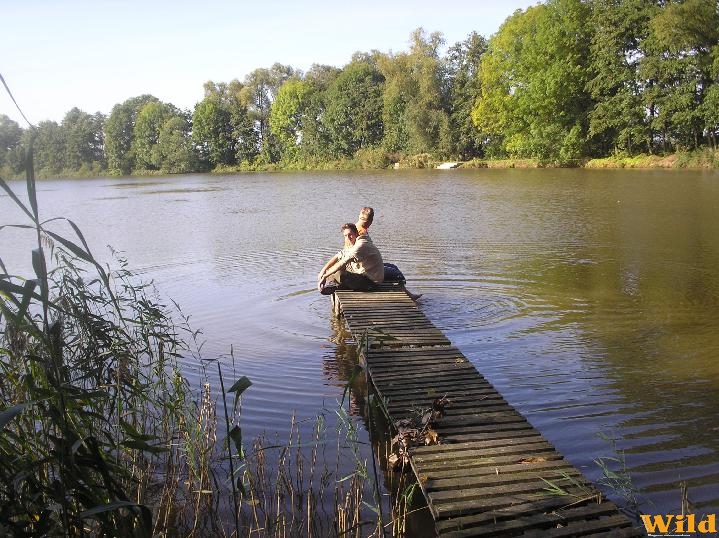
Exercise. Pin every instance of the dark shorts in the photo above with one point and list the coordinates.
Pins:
(344, 280)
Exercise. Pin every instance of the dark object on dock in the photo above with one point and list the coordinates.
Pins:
(488, 471)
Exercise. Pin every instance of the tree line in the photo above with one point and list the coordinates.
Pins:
(559, 82)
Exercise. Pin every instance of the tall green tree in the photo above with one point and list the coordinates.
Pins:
(415, 101)
(618, 120)
(146, 134)
(679, 58)
(212, 132)
(315, 143)
(287, 114)
(259, 90)
(222, 129)
(533, 100)
(84, 140)
(353, 114)
(462, 71)
(11, 154)
(48, 143)
(174, 147)
(119, 132)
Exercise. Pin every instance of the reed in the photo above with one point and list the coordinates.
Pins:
(95, 427)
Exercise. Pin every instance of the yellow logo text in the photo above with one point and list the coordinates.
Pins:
(670, 524)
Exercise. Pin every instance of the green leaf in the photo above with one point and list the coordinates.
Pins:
(15, 199)
(8, 414)
(145, 513)
(39, 264)
(27, 295)
(241, 385)
(107, 508)
(72, 247)
(236, 436)
(130, 430)
(30, 175)
(142, 445)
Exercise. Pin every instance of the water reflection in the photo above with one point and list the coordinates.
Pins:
(399, 492)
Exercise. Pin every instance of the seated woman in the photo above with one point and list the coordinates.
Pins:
(391, 271)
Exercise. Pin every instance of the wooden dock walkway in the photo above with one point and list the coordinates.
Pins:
(492, 474)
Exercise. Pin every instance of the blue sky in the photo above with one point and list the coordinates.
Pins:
(55, 55)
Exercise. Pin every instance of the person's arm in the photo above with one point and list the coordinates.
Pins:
(322, 274)
(337, 262)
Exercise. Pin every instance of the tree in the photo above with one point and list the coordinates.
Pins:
(287, 113)
(84, 140)
(316, 139)
(259, 90)
(415, 100)
(212, 132)
(617, 120)
(533, 101)
(679, 62)
(353, 114)
(10, 146)
(48, 143)
(222, 128)
(174, 146)
(119, 132)
(146, 134)
(462, 71)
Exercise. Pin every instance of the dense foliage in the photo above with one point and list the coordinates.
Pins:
(559, 82)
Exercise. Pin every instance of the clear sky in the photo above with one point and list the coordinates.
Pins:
(93, 54)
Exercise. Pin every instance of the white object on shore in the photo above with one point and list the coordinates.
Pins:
(447, 166)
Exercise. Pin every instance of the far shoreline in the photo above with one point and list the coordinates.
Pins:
(705, 159)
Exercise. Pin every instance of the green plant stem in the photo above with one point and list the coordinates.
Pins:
(229, 451)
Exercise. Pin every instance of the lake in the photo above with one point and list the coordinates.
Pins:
(588, 298)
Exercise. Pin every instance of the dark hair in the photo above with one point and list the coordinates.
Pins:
(349, 226)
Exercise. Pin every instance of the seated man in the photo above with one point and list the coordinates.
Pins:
(358, 266)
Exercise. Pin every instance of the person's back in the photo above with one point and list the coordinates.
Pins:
(391, 272)
(367, 259)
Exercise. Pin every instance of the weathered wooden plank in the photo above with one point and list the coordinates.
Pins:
(441, 482)
(529, 437)
(523, 513)
(531, 501)
(489, 525)
(603, 525)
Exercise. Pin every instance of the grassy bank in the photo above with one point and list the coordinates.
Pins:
(695, 160)
(699, 160)
(705, 159)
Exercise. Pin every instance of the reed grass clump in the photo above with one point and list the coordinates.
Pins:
(102, 435)
(95, 419)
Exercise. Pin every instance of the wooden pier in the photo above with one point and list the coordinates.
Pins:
(492, 473)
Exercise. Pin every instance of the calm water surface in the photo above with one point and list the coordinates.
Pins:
(590, 299)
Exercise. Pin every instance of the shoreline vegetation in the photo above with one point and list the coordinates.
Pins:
(705, 159)
(592, 83)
